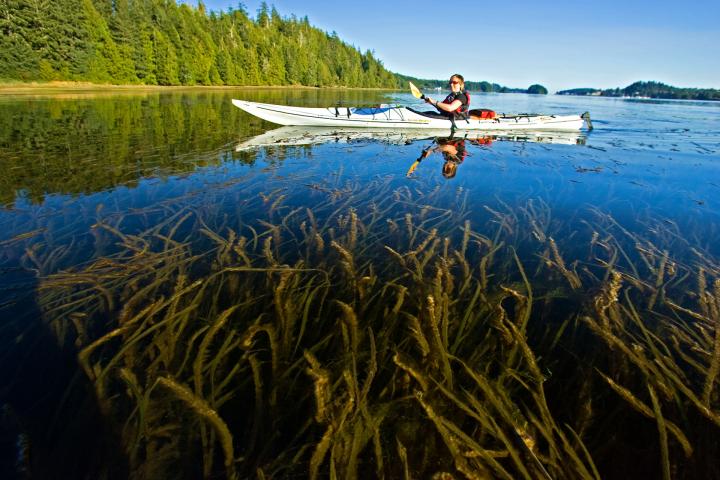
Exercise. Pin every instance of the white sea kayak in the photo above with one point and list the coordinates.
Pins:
(300, 136)
(403, 117)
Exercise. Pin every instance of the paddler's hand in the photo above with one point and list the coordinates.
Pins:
(429, 100)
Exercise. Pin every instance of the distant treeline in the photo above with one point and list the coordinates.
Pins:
(649, 89)
(472, 86)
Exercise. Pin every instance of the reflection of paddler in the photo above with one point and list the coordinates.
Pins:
(453, 151)
(482, 140)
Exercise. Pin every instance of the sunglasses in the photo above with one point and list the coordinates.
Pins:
(454, 82)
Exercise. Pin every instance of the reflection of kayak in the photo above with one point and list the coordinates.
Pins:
(402, 117)
(297, 136)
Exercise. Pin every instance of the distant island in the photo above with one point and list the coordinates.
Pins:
(648, 90)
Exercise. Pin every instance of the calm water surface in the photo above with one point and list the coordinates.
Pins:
(647, 176)
(74, 150)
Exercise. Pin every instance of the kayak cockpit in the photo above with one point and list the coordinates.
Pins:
(370, 110)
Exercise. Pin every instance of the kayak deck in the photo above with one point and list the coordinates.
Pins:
(400, 117)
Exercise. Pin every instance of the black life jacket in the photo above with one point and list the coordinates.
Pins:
(459, 144)
(463, 108)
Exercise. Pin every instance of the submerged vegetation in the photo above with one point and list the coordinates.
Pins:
(355, 330)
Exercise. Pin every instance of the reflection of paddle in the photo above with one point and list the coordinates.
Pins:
(416, 91)
(423, 155)
(413, 167)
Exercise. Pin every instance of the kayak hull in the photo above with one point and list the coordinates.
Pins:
(400, 117)
(301, 136)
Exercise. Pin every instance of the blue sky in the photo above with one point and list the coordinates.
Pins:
(560, 44)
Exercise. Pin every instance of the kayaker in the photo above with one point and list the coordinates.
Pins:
(457, 103)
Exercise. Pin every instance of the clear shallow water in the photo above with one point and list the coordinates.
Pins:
(135, 161)
(643, 151)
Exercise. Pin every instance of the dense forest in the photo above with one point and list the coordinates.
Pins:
(158, 42)
(161, 42)
(649, 89)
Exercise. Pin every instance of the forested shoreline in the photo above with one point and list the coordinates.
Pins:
(161, 42)
(158, 42)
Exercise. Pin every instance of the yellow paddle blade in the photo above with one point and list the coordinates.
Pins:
(412, 168)
(415, 91)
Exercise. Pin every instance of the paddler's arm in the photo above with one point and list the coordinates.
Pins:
(426, 153)
(444, 107)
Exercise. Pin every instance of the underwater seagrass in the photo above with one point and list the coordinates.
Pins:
(378, 331)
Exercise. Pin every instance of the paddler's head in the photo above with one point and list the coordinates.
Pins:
(457, 83)
(449, 169)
